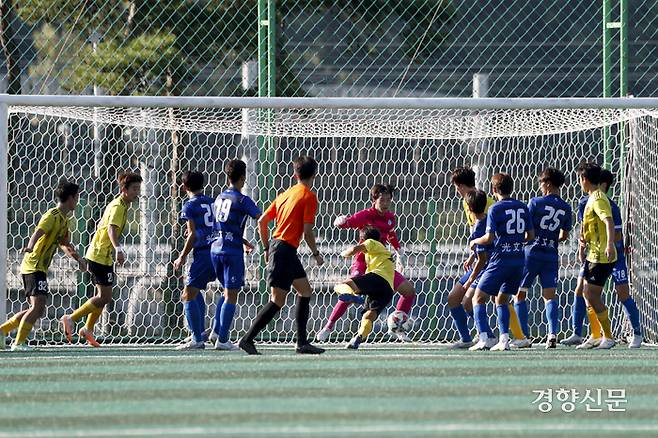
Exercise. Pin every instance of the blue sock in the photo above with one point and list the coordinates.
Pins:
(201, 303)
(633, 314)
(481, 318)
(503, 318)
(468, 322)
(551, 316)
(522, 312)
(460, 320)
(226, 319)
(192, 315)
(218, 315)
(490, 332)
(578, 316)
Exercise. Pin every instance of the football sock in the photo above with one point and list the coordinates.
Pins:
(605, 323)
(551, 316)
(217, 322)
(522, 313)
(460, 320)
(365, 328)
(578, 315)
(201, 303)
(405, 303)
(302, 310)
(11, 324)
(481, 319)
(515, 326)
(266, 314)
(192, 316)
(226, 319)
(83, 310)
(92, 318)
(633, 314)
(503, 318)
(24, 330)
(594, 324)
(339, 310)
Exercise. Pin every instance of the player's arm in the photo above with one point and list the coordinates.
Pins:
(469, 261)
(357, 220)
(264, 231)
(564, 235)
(113, 235)
(309, 237)
(38, 233)
(604, 212)
(483, 258)
(189, 245)
(485, 240)
(67, 248)
(351, 251)
(529, 235)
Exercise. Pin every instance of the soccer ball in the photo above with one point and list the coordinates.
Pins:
(397, 321)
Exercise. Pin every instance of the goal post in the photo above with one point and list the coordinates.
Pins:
(412, 143)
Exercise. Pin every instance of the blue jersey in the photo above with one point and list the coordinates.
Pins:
(478, 230)
(616, 217)
(232, 209)
(549, 215)
(508, 220)
(199, 210)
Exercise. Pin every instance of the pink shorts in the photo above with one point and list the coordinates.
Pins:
(359, 268)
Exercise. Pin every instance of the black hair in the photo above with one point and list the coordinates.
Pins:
(607, 178)
(464, 176)
(476, 201)
(502, 184)
(370, 233)
(65, 190)
(380, 189)
(193, 180)
(590, 171)
(236, 170)
(305, 167)
(553, 176)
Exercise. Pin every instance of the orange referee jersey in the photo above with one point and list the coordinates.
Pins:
(291, 210)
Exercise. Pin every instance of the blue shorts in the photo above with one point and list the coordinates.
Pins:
(201, 272)
(547, 271)
(619, 272)
(464, 278)
(229, 270)
(504, 279)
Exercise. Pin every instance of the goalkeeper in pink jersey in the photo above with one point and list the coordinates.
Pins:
(381, 218)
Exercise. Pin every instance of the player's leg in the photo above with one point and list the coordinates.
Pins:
(9, 326)
(194, 318)
(458, 313)
(530, 272)
(578, 313)
(480, 299)
(302, 312)
(503, 315)
(365, 328)
(406, 301)
(37, 310)
(620, 278)
(358, 268)
(233, 280)
(548, 280)
(596, 276)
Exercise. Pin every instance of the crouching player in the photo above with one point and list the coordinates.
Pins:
(462, 293)
(376, 284)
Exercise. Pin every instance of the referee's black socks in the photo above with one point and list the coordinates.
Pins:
(302, 310)
(267, 314)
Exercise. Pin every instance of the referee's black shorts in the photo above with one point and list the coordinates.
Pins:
(283, 266)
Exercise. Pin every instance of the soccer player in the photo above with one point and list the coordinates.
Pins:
(232, 209)
(619, 276)
(100, 258)
(551, 218)
(376, 284)
(463, 290)
(508, 228)
(294, 212)
(197, 213)
(597, 251)
(380, 217)
(51, 232)
(463, 179)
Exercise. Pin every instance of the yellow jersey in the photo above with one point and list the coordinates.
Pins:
(597, 210)
(379, 260)
(56, 226)
(101, 250)
(470, 217)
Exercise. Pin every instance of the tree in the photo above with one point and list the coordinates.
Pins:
(8, 26)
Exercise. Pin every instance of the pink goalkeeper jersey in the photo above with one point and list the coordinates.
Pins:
(385, 223)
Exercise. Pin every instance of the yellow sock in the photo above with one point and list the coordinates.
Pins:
(92, 318)
(594, 324)
(365, 328)
(514, 325)
(605, 323)
(24, 330)
(10, 325)
(83, 311)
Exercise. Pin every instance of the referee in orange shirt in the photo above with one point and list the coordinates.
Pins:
(294, 212)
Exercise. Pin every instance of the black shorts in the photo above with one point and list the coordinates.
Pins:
(35, 283)
(101, 275)
(597, 273)
(283, 266)
(377, 289)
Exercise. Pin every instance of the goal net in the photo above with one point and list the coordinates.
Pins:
(413, 149)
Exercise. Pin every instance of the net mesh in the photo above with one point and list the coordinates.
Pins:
(413, 149)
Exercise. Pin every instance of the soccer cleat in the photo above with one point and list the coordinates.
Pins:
(589, 343)
(636, 341)
(309, 349)
(606, 344)
(248, 347)
(402, 336)
(323, 334)
(3, 341)
(490, 343)
(22, 347)
(521, 343)
(67, 327)
(501, 346)
(349, 298)
(192, 345)
(211, 336)
(572, 340)
(551, 342)
(354, 343)
(89, 337)
(226, 346)
(459, 345)
(482, 344)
